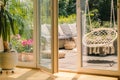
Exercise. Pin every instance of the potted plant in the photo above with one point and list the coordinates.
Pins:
(8, 57)
(26, 54)
(24, 48)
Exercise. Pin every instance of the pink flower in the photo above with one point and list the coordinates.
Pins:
(24, 42)
(29, 41)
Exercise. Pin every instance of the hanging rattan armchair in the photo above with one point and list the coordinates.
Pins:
(101, 37)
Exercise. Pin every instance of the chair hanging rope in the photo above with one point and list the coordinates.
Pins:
(112, 16)
(87, 10)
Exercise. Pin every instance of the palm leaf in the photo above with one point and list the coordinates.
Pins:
(3, 25)
(0, 27)
(6, 26)
(11, 22)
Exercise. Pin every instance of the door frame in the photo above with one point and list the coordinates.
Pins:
(95, 71)
(33, 63)
(54, 34)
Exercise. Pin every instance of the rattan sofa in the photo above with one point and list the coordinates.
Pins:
(66, 33)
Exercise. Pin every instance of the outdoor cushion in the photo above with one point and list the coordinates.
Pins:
(44, 30)
(47, 54)
(48, 27)
(73, 29)
(60, 32)
(66, 29)
(63, 37)
(45, 35)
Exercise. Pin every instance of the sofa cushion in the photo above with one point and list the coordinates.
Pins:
(47, 54)
(60, 32)
(73, 29)
(66, 29)
(48, 27)
(44, 30)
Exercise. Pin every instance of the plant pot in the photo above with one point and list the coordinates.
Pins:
(8, 60)
(25, 57)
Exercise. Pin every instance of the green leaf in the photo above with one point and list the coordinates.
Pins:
(11, 22)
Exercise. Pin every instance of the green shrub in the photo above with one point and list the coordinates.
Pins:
(96, 24)
(68, 19)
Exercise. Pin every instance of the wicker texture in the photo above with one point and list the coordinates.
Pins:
(100, 38)
(69, 44)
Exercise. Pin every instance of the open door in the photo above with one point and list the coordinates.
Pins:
(98, 29)
(47, 35)
(23, 42)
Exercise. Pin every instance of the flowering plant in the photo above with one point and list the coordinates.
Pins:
(27, 45)
(22, 45)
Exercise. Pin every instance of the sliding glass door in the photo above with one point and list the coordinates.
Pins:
(45, 34)
(23, 42)
(98, 29)
(45, 28)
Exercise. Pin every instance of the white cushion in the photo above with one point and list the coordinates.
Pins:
(60, 32)
(66, 29)
(44, 30)
(73, 29)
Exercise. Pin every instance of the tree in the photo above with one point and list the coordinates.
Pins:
(103, 7)
(63, 7)
(71, 7)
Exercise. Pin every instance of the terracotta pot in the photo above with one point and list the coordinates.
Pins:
(25, 57)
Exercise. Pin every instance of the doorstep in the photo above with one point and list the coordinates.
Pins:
(94, 77)
(75, 76)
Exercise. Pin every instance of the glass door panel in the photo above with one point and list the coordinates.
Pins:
(99, 34)
(45, 53)
(23, 42)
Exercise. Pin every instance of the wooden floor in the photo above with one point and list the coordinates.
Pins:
(35, 74)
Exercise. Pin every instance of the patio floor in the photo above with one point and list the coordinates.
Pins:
(94, 62)
(69, 62)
